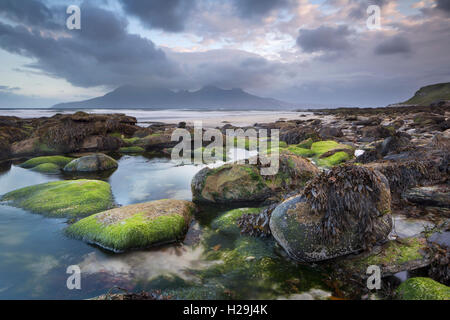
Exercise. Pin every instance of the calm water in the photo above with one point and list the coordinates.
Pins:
(34, 252)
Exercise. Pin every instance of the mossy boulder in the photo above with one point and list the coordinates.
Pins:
(92, 163)
(227, 223)
(243, 183)
(48, 168)
(71, 198)
(341, 211)
(59, 161)
(134, 149)
(136, 226)
(422, 289)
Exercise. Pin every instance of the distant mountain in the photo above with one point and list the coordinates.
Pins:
(429, 94)
(150, 98)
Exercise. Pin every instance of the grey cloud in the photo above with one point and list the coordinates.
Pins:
(101, 53)
(258, 8)
(324, 38)
(30, 12)
(169, 15)
(443, 5)
(394, 45)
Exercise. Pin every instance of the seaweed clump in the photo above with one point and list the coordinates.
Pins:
(347, 196)
(405, 174)
(257, 225)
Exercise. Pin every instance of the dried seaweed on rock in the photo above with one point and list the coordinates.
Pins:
(256, 225)
(344, 195)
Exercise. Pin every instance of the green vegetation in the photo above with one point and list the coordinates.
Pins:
(321, 147)
(334, 159)
(48, 168)
(428, 94)
(131, 141)
(72, 198)
(60, 161)
(227, 223)
(134, 149)
(299, 151)
(423, 289)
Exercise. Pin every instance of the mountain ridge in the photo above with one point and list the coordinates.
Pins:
(130, 96)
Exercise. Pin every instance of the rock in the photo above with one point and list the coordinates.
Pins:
(441, 140)
(374, 121)
(422, 289)
(376, 132)
(71, 198)
(394, 144)
(157, 140)
(136, 226)
(392, 257)
(134, 149)
(330, 132)
(48, 168)
(59, 161)
(29, 147)
(92, 163)
(405, 174)
(438, 248)
(99, 143)
(340, 212)
(243, 183)
(298, 134)
(429, 196)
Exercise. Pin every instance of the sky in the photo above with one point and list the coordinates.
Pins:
(300, 51)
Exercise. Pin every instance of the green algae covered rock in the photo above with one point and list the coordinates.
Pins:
(335, 159)
(48, 168)
(59, 161)
(244, 183)
(71, 198)
(227, 223)
(92, 163)
(135, 226)
(134, 149)
(423, 289)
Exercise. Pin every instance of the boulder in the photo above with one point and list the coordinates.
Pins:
(244, 183)
(438, 195)
(136, 226)
(330, 132)
(91, 163)
(421, 288)
(71, 198)
(341, 211)
(59, 161)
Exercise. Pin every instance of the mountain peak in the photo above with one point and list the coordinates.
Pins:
(208, 97)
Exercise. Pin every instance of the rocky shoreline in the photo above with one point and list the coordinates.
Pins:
(341, 186)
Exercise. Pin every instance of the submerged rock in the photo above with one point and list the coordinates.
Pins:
(245, 183)
(422, 289)
(339, 212)
(228, 222)
(136, 226)
(92, 163)
(72, 198)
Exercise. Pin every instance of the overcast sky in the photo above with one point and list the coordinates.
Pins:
(301, 51)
